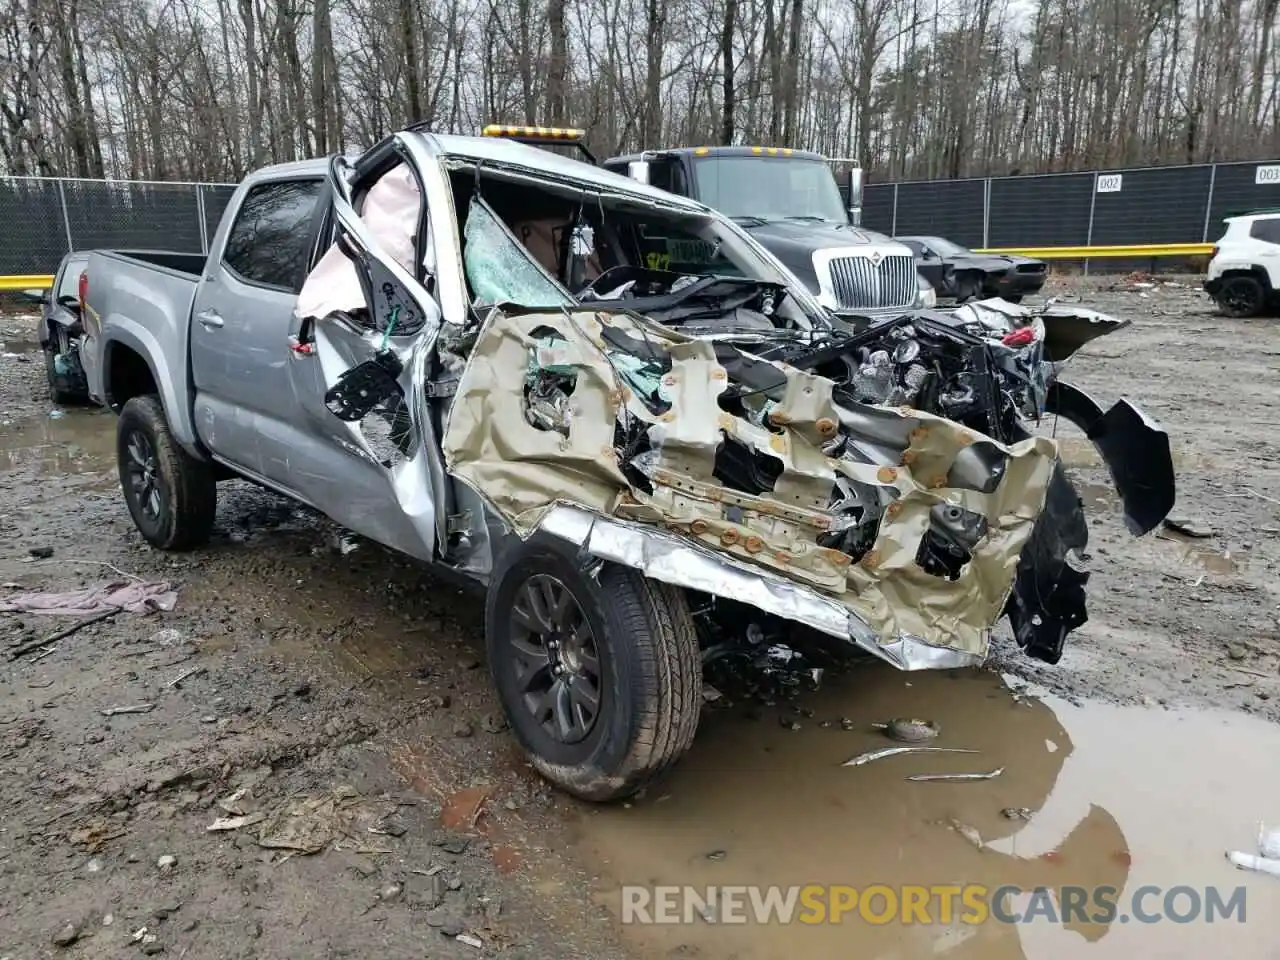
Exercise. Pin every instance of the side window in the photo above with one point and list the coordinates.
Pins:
(667, 175)
(1266, 230)
(915, 246)
(270, 240)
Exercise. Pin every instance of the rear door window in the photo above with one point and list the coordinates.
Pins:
(1267, 231)
(270, 240)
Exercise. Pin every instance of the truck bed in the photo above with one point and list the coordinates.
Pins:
(190, 264)
(147, 295)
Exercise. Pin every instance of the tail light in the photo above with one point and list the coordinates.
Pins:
(83, 291)
(1215, 252)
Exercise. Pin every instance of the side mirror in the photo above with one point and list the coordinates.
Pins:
(34, 296)
(855, 195)
(69, 300)
(638, 170)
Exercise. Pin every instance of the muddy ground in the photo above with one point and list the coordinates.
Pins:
(330, 706)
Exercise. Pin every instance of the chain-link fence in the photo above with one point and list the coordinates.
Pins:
(41, 219)
(1103, 208)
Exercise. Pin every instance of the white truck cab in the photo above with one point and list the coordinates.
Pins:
(1244, 274)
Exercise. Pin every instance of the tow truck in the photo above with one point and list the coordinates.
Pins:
(788, 200)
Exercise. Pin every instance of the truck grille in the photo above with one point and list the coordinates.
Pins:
(860, 285)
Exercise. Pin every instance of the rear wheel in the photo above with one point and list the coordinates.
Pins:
(171, 495)
(599, 675)
(1241, 296)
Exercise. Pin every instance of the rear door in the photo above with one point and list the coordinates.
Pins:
(240, 325)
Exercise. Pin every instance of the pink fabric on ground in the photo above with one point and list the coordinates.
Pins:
(124, 595)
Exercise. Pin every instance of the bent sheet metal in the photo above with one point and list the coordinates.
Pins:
(630, 385)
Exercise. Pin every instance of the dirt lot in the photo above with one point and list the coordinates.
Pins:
(329, 707)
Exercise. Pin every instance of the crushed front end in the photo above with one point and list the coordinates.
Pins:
(880, 484)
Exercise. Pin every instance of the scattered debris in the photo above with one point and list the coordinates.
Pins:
(95, 835)
(133, 708)
(67, 935)
(1269, 841)
(717, 855)
(176, 681)
(391, 892)
(710, 694)
(167, 864)
(231, 803)
(235, 823)
(908, 731)
(389, 827)
(114, 597)
(309, 825)
(41, 553)
(895, 751)
(470, 941)
(1251, 861)
(94, 865)
(1187, 526)
(958, 776)
(969, 833)
(462, 810)
(494, 723)
(1016, 813)
(55, 637)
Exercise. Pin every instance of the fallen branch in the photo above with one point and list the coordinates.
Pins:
(26, 648)
(1261, 496)
(96, 563)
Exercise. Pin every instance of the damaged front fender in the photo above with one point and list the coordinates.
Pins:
(860, 517)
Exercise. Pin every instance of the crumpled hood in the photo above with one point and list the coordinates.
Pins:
(525, 453)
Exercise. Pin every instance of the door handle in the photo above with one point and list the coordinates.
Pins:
(209, 319)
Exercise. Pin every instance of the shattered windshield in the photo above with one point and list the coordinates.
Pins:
(548, 244)
(771, 188)
(499, 270)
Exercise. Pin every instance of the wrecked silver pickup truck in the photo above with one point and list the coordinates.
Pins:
(452, 346)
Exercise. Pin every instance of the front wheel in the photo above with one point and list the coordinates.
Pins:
(1241, 297)
(171, 495)
(599, 673)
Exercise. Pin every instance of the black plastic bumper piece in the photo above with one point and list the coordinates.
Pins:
(1134, 448)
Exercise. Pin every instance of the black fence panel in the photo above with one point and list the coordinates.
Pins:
(216, 197)
(1239, 188)
(33, 238)
(877, 207)
(1155, 205)
(1040, 211)
(133, 216)
(942, 208)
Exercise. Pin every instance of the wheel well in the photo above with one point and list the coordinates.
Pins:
(128, 376)
(1256, 272)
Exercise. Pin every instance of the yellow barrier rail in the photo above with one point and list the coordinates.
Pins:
(33, 281)
(1138, 251)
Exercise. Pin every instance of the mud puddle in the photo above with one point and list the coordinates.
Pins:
(64, 441)
(1091, 795)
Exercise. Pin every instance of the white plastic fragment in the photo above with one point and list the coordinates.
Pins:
(1249, 861)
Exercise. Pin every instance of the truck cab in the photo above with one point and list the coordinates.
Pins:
(790, 202)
